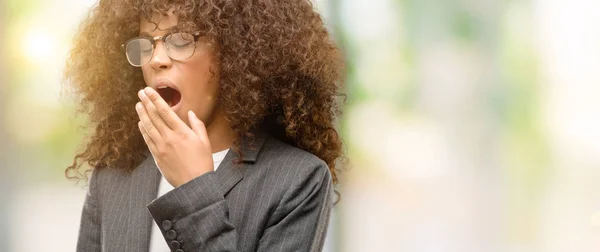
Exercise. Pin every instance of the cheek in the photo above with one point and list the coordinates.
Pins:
(204, 85)
(147, 73)
(202, 71)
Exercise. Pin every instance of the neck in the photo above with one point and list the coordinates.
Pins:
(219, 133)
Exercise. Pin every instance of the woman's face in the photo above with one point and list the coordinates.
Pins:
(196, 78)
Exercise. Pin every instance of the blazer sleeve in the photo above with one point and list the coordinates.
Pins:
(89, 229)
(194, 216)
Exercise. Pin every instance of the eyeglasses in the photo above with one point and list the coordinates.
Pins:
(179, 46)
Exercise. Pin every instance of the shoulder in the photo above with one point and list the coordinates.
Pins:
(107, 176)
(293, 177)
(291, 165)
(107, 179)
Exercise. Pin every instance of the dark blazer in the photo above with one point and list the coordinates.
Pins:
(278, 199)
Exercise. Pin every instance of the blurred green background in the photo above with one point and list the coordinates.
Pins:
(471, 125)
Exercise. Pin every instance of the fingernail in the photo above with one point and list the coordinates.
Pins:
(138, 106)
(141, 94)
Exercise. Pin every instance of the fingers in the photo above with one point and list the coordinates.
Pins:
(197, 126)
(149, 115)
(146, 122)
(147, 139)
(163, 111)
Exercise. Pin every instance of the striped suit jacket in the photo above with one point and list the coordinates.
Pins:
(277, 199)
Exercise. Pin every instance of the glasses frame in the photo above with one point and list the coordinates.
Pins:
(163, 38)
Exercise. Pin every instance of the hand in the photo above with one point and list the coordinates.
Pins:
(180, 152)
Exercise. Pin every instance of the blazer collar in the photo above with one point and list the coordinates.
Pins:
(146, 178)
(230, 173)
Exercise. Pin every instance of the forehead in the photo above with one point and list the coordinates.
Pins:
(158, 23)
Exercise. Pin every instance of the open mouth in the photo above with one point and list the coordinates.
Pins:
(170, 95)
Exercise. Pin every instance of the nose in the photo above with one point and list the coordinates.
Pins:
(160, 59)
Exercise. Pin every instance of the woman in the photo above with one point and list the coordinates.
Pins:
(213, 125)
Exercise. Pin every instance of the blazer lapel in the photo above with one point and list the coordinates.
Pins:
(144, 187)
(229, 172)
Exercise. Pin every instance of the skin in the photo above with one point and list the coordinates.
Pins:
(182, 140)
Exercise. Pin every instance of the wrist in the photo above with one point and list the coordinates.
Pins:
(191, 176)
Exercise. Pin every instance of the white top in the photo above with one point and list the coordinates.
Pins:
(157, 242)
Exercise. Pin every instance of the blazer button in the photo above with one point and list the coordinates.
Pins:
(166, 225)
(171, 234)
(179, 250)
(175, 244)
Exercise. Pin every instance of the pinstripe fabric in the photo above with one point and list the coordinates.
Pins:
(278, 199)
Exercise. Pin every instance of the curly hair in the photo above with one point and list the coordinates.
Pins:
(279, 70)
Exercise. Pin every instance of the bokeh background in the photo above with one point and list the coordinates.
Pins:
(470, 125)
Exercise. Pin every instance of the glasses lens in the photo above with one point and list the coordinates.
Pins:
(139, 51)
(180, 45)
